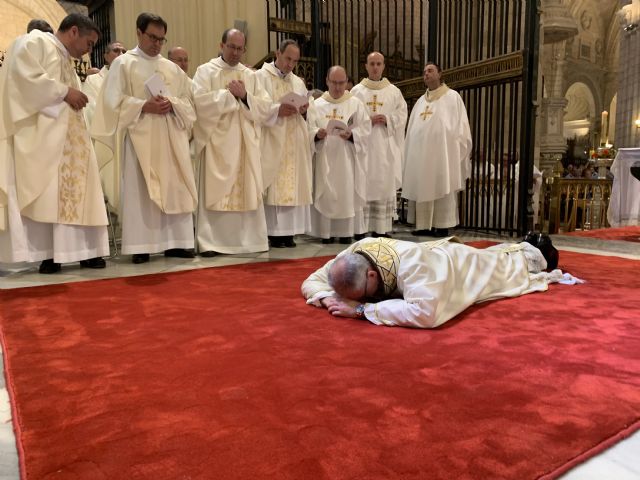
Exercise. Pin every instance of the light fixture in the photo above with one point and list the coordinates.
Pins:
(637, 122)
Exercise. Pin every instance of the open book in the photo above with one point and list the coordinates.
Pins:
(155, 86)
(294, 100)
(336, 127)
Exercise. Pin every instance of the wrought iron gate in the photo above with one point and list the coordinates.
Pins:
(488, 51)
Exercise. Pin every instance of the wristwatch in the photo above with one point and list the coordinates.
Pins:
(360, 310)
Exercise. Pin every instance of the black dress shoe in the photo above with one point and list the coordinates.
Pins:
(179, 253)
(440, 232)
(345, 240)
(359, 236)
(380, 235)
(422, 233)
(288, 242)
(542, 242)
(97, 262)
(49, 266)
(140, 258)
(327, 241)
(277, 242)
(208, 254)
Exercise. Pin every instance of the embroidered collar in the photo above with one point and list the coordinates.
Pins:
(382, 254)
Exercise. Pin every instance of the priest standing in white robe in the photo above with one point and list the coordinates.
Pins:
(231, 108)
(286, 155)
(340, 161)
(388, 113)
(146, 102)
(51, 202)
(437, 155)
(109, 165)
(423, 285)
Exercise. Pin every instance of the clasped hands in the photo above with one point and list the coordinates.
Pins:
(159, 105)
(237, 89)
(287, 110)
(340, 307)
(378, 119)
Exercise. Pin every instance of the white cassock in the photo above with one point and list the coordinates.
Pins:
(385, 150)
(51, 202)
(286, 158)
(227, 144)
(158, 194)
(339, 168)
(437, 157)
(426, 284)
(109, 166)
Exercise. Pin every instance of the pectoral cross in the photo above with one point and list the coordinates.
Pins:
(375, 104)
(426, 113)
(334, 115)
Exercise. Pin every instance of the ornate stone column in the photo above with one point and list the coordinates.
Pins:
(557, 26)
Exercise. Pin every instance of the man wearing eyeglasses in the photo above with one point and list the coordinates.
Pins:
(340, 127)
(109, 171)
(145, 105)
(231, 108)
(50, 193)
(422, 285)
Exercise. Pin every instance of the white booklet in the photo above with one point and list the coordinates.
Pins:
(336, 127)
(155, 86)
(294, 99)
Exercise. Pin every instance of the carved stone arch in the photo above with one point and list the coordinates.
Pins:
(591, 85)
(581, 102)
(15, 14)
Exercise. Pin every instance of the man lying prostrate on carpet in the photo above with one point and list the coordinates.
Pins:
(422, 285)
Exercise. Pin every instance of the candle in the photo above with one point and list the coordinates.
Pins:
(604, 126)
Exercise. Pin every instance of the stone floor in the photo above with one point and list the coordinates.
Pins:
(619, 462)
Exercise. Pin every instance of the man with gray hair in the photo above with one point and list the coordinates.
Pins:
(180, 57)
(423, 285)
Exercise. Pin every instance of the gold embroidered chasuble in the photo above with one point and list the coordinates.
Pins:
(385, 147)
(427, 284)
(286, 156)
(56, 171)
(160, 142)
(227, 136)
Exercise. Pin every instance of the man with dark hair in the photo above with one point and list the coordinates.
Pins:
(231, 106)
(423, 285)
(437, 155)
(145, 109)
(51, 201)
(286, 157)
(39, 24)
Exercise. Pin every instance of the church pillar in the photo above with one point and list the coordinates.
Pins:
(628, 104)
(557, 25)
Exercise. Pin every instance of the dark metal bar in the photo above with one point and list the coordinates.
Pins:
(432, 40)
(317, 44)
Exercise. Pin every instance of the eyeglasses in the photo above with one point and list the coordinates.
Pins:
(234, 48)
(154, 39)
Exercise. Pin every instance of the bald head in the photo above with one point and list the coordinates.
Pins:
(337, 81)
(348, 275)
(232, 46)
(180, 57)
(375, 66)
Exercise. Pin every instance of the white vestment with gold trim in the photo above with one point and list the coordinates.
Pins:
(385, 150)
(340, 184)
(286, 157)
(51, 201)
(227, 144)
(427, 284)
(437, 157)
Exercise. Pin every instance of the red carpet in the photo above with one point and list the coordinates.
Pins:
(225, 373)
(627, 234)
